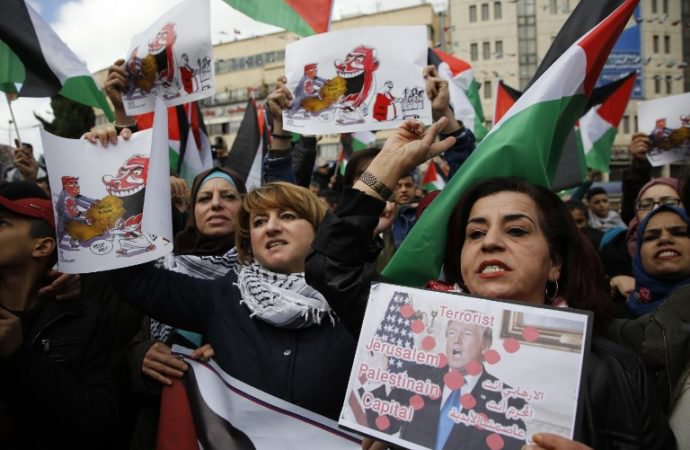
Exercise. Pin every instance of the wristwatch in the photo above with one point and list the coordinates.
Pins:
(370, 180)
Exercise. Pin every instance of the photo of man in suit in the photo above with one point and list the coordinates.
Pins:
(433, 425)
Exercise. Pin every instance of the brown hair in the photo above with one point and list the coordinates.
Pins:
(276, 195)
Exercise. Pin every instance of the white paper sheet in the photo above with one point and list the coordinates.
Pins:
(357, 79)
(172, 59)
(667, 120)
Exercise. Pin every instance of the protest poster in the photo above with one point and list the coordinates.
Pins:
(443, 370)
(172, 59)
(112, 204)
(667, 120)
(357, 80)
(227, 413)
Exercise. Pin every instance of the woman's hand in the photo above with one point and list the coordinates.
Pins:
(204, 353)
(408, 147)
(439, 95)
(622, 284)
(548, 441)
(160, 364)
(64, 286)
(370, 444)
(640, 145)
(106, 134)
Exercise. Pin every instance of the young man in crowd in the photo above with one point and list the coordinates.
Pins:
(406, 199)
(601, 216)
(55, 385)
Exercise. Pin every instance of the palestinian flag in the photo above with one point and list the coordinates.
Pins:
(504, 99)
(433, 181)
(186, 133)
(37, 58)
(464, 90)
(208, 409)
(552, 104)
(250, 146)
(597, 128)
(350, 143)
(302, 17)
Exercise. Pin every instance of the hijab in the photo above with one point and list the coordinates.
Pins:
(190, 241)
(631, 237)
(650, 291)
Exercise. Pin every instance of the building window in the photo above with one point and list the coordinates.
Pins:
(636, 129)
(485, 11)
(487, 89)
(654, 6)
(553, 7)
(474, 52)
(626, 125)
(499, 49)
(498, 11)
(669, 84)
(664, 7)
(473, 13)
(486, 50)
(667, 44)
(657, 84)
(655, 43)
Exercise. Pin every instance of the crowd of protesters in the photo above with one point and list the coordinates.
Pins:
(273, 284)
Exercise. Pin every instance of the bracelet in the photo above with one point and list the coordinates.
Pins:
(281, 136)
(120, 127)
(370, 180)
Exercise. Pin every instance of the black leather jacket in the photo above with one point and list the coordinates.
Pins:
(620, 410)
(57, 390)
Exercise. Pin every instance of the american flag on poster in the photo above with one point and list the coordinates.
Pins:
(395, 329)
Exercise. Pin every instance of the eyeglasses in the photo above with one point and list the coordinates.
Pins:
(647, 204)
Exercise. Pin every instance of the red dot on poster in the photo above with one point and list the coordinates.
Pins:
(382, 423)
(428, 343)
(511, 345)
(530, 334)
(473, 368)
(417, 402)
(468, 401)
(453, 380)
(407, 311)
(442, 360)
(492, 356)
(495, 441)
(417, 326)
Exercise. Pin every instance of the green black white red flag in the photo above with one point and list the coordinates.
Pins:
(46, 66)
(552, 104)
(302, 17)
(596, 130)
(464, 90)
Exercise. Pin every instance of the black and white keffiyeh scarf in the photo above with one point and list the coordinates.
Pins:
(204, 267)
(284, 301)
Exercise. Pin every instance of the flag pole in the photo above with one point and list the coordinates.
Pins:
(14, 121)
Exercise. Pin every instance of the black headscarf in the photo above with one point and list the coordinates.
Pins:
(189, 241)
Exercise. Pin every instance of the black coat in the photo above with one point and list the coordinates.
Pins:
(621, 408)
(58, 387)
(422, 430)
(309, 367)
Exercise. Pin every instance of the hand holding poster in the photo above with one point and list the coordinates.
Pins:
(172, 59)
(667, 120)
(435, 370)
(112, 205)
(357, 79)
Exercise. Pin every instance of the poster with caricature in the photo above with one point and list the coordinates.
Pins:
(667, 120)
(172, 59)
(101, 197)
(357, 79)
(441, 370)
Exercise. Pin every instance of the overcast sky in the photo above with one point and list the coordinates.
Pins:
(99, 32)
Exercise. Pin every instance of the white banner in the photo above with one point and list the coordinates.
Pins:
(238, 414)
